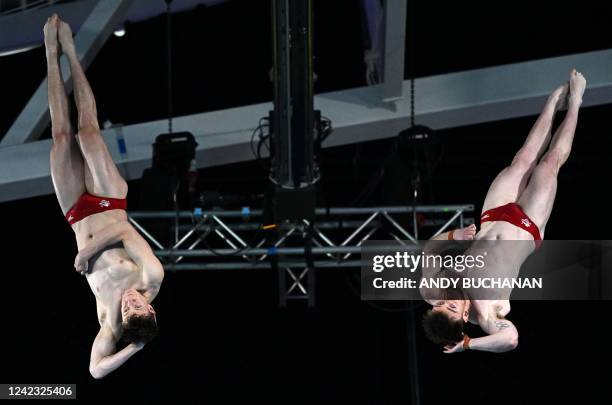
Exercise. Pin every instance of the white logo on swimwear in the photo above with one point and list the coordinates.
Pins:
(485, 216)
(70, 218)
(104, 203)
(526, 222)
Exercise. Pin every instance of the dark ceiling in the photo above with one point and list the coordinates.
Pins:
(222, 54)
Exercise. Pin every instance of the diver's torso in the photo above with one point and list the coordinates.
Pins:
(501, 230)
(482, 309)
(111, 271)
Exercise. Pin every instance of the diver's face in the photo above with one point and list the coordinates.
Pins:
(454, 309)
(134, 303)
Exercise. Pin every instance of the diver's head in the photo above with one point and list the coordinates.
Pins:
(139, 320)
(443, 323)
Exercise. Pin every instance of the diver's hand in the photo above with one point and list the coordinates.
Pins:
(137, 345)
(456, 348)
(81, 263)
(466, 233)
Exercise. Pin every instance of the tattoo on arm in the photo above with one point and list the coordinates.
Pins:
(501, 324)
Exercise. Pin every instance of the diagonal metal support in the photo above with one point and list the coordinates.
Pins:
(366, 237)
(92, 35)
(229, 242)
(367, 221)
(325, 239)
(458, 214)
(188, 234)
(399, 227)
(145, 233)
(297, 280)
(191, 247)
(279, 242)
(228, 230)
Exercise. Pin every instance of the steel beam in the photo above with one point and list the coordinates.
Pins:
(358, 115)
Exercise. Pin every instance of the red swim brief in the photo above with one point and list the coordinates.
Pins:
(89, 204)
(514, 214)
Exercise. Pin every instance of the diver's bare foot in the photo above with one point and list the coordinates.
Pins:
(466, 233)
(577, 85)
(64, 34)
(50, 31)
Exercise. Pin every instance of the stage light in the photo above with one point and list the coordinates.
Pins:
(119, 33)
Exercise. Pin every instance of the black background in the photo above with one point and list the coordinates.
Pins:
(223, 337)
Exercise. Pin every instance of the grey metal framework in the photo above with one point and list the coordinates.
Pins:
(249, 244)
(358, 115)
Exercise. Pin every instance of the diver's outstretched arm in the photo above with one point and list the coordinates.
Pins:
(503, 337)
(104, 359)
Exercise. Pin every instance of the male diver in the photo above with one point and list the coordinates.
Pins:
(517, 207)
(120, 267)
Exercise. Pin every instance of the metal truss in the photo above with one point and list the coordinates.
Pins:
(239, 239)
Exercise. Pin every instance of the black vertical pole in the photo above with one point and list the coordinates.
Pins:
(413, 364)
(293, 119)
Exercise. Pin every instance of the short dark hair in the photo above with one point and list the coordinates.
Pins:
(141, 328)
(441, 329)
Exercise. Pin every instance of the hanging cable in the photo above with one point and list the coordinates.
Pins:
(169, 61)
(412, 101)
(411, 58)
